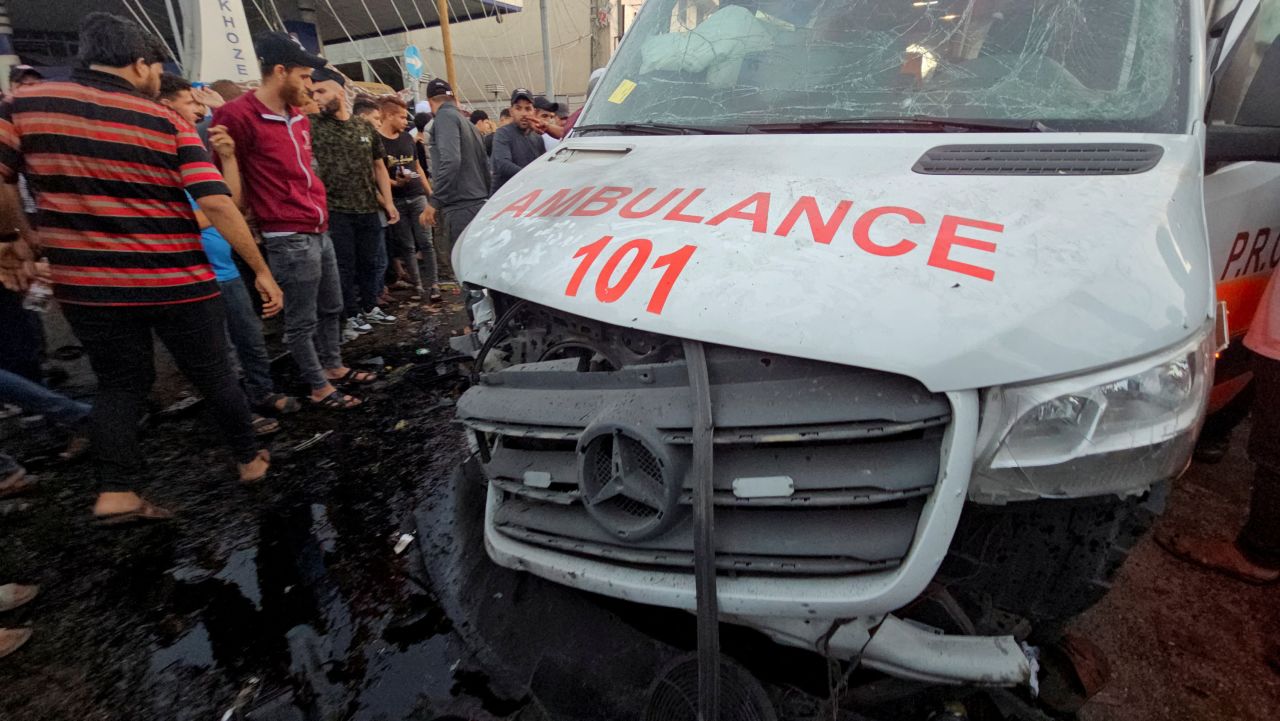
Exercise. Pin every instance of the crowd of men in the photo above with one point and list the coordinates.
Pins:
(159, 208)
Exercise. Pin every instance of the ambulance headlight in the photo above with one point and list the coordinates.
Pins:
(1116, 431)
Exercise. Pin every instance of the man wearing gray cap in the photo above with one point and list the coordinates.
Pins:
(459, 166)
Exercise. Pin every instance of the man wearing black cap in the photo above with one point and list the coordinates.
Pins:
(548, 114)
(349, 158)
(459, 166)
(273, 148)
(519, 143)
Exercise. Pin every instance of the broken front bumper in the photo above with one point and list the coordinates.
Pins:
(869, 473)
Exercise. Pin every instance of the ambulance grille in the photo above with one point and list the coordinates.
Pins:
(853, 454)
(1056, 159)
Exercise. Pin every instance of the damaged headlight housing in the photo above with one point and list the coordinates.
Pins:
(1116, 431)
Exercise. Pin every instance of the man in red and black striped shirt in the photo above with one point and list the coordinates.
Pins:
(110, 167)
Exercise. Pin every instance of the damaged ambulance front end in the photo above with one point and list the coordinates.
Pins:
(947, 264)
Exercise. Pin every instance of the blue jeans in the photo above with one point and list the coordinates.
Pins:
(244, 327)
(35, 398)
(306, 269)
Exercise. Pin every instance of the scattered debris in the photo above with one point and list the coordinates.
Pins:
(401, 425)
(403, 543)
(312, 441)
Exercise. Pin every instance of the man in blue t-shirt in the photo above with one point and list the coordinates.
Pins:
(244, 327)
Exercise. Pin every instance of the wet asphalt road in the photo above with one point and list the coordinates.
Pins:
(290, 601)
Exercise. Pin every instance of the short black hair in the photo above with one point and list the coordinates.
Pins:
(364, 104)
(421, 119)
(171, 85)
(478, 115)
(117, 42)
(506, 113)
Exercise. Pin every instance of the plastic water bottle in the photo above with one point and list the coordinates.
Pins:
(38, 296)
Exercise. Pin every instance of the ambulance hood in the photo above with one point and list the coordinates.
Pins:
(831, 247)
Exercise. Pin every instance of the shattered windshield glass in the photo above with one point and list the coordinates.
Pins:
(1120, 65)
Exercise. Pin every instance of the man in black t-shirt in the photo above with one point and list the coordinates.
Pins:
(409, 190)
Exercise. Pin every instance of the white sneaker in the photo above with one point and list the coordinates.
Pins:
(377, 316)
(358, 325)
(349, 335)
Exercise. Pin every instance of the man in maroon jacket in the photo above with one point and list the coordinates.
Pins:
(273, 148)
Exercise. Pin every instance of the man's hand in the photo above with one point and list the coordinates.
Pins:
(17, 265)
(209, 97)
(393, 215)
(223, 144)
(272, 296)
(429, 216)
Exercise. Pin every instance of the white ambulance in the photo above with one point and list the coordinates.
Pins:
(959, 270)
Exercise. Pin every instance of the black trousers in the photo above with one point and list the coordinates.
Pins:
(355, 243)
(1260, 539)
(21, 337)
(119, 343)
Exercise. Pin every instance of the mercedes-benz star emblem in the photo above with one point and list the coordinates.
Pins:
(629, 483)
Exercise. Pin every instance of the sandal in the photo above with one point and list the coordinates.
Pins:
(263, 426)
(1217, 555)
(263, 454)
(338, 401)
(271, 405)
(435, 296)
(16, 483)
(148, 512)
(355, 378)
(13, 595)
(12, 639)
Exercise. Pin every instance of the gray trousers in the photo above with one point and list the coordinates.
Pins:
(456, 220)
(411, 238)
(307, 270)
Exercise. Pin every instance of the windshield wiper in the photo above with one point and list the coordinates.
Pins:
(915, 122)
(669, 129)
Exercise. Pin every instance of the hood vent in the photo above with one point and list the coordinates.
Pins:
(1058, 159)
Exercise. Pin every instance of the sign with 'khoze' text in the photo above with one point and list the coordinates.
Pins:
(219, 42)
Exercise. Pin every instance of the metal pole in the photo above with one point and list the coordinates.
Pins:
(442, 7)
(177, 35)
(8, 58)
(600, 39)
(544, 10)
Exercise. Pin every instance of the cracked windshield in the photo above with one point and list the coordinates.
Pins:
(1068, 64)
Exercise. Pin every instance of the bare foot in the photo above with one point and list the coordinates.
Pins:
(117, 502)
(126, 508)
(255, 470)
(1218, 555)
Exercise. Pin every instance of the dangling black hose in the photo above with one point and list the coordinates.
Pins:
(494, 337)
(704, 550)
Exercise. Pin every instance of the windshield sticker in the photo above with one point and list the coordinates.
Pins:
(949, 243)
(622, 92)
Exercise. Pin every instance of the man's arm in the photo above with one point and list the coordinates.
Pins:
(383, 180)
(225, 147)
(446, 153)
(422, 177)
(17, 257)
(225, 216)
